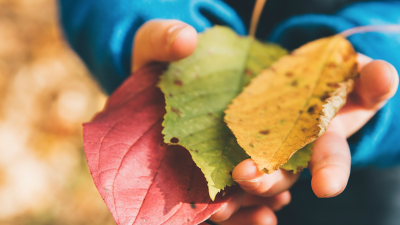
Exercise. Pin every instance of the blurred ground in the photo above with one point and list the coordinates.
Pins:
(45, 95)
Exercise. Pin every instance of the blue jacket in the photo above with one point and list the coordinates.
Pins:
(102, 31)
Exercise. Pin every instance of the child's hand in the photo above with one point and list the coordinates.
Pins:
(330, 163)
(170, 40)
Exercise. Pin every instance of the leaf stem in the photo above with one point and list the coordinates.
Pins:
(373, 28)
(258, 8)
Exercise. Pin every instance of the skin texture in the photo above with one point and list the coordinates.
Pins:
(170, 40)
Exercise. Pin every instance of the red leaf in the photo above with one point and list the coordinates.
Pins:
(140, 178)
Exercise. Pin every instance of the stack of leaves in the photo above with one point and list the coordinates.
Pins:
(197, 91)
(143, 180)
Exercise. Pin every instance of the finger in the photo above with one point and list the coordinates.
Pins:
(250, 179)
(229, 208)
(330, 163)
(163, 41)
(261, 215)
(275, 203)
(377, 83)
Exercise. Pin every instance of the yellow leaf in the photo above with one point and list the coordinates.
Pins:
(292, 103)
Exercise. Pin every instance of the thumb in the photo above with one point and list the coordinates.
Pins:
(163, 41)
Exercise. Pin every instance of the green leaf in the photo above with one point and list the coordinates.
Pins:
(300, 159)
(199, 88)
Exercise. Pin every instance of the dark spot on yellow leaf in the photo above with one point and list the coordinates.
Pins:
(312, 108)
(294, 83)
(332, 65)
(170, 95)
(192, 205)
(178, 83)
(251, 145)
(325, 96)
(303, 129)
(317, 119)
(289, 74)
(301, 111)
(174, 140)
(265, 132)
(333, 85)
(347, 57)
(307, 87)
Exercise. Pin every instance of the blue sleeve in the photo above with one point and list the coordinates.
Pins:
(102, 31)
(378, 142)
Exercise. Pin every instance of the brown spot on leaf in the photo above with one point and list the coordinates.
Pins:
(248, 73)
(325, 96)
(265, 132)
(178, 83)
(251, 145)
(332, 65)
(295, 83)
(177, 111)
(317, 119)
(312, 108)
(174, 140)
(333, 85)
(289, 74)
(170, 95)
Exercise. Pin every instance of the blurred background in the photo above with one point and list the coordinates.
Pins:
(45, 95)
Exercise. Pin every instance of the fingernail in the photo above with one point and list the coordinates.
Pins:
(174, 32)
(393, 76)
(249, 184)
(333, 193)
